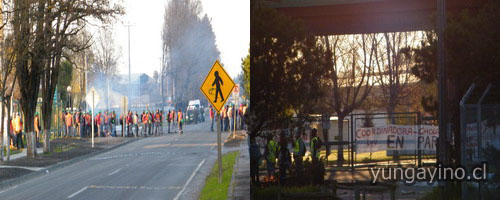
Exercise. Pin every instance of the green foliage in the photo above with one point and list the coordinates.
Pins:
(285, 73)
(310, 174)
(245, 66)
(12, 151)
(472, 50)
(425, 68)
(212, 189)
(64, 79)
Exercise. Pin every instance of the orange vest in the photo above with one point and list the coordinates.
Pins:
(179, 116)
(36, 124)
(69, 120)
(17, 124)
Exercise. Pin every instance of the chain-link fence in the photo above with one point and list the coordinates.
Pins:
(367, 140)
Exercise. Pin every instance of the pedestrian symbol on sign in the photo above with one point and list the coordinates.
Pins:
(218, 82)
(217, 86)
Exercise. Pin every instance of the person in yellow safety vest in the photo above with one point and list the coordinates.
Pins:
(271, 154)
(299, 148)
(18, 130)
(315, 145)
(180, 120)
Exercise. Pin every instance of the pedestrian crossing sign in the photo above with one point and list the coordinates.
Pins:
(217, 86)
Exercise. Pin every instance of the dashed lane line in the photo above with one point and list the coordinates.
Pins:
(77, 192)
(189, 180)
(114, 172)
(132, 187)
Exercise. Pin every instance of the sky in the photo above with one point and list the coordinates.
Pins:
(230, 21)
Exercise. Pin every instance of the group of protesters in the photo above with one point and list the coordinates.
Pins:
(278, 153)
(133, 124)
(78, 124)
(229, 115)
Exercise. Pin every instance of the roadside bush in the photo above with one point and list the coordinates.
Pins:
(272, 192)
(309, 174)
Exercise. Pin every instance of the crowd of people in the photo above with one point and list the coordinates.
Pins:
(133, 124)
(232, 118)
(279, 154)
(147, 123)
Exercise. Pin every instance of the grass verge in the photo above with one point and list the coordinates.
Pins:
(12, 151)
(212, 189)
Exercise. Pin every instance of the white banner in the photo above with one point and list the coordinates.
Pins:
(396, 137)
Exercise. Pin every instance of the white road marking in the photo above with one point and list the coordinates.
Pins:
(189, 180)
(132, 187)
(129, 155)
(77, 192)
(116, 171)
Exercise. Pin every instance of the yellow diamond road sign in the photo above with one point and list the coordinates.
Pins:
(217, 86)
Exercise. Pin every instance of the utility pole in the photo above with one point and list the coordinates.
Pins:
(85, 71)
(129, 65)
(443, 148)
(441, 65)
(128, 28)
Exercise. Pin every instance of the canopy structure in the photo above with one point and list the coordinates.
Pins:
(336, 17)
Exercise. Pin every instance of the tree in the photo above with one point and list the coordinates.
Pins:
(42, 31)
(64, 80)
(8, 80)
(471, 42)
(105, 59)
(424, 67)
(245, 80)
(393, 61)
(189, 49)
(349, 61)
(285, 70)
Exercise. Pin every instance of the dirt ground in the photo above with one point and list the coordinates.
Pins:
(235, 142)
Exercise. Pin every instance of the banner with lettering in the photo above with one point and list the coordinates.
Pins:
(396, 137)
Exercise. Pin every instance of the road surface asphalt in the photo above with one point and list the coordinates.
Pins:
(170, 166)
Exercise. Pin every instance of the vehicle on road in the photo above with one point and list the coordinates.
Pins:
(193, 112)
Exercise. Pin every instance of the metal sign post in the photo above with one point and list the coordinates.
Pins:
(93, 101)
(234, 115)
(219, 149)
(217, 87)
(92, 98)
(124, 120)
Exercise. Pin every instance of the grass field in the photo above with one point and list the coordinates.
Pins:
(212, 189)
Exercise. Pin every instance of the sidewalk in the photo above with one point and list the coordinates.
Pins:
(22, 154)
(239, 187)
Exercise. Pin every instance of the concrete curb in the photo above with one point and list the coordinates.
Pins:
(35, 174)
(231, 183)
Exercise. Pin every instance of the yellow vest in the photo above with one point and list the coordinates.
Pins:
(272, 149)
(314, 149)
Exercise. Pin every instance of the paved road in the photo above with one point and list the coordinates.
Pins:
(170, 166)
